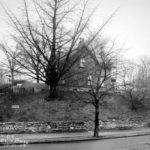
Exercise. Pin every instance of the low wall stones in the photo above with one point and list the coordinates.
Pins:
(45, 127)
(63, 126)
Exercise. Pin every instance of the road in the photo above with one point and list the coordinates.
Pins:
(130, 143)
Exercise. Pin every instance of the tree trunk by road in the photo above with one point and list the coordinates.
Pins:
(96, 125)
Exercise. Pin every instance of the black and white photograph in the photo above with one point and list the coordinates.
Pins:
(74, 75)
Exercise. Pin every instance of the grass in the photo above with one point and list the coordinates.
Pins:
(33, 107)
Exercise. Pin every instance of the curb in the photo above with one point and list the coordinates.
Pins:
(75, 139)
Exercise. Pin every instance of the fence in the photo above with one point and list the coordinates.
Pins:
(16, 91)
(22, 91)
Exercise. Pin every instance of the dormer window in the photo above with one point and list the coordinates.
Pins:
(82, 62)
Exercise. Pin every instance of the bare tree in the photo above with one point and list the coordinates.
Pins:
(10, 65)
(100, 75)
(143, 75)
(135, 83)
(2, 75)
(29, 63)
(102, 83)
(61, 23)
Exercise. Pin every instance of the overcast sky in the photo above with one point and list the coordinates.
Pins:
(130, 27)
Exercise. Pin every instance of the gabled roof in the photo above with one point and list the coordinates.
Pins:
(83, 48)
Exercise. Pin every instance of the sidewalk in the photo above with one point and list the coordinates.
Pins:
(70, 137)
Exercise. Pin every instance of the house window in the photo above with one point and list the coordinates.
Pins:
(89, 79)
(82, 62)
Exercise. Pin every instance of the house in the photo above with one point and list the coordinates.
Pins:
(82, 74)
(85, 71)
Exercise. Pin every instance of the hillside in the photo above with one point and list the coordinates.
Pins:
(70, 106)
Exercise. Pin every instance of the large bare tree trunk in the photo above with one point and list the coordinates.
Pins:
(53, 92)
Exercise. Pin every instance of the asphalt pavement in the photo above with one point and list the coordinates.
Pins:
(70, 137)
(128, 143)
(124, 143)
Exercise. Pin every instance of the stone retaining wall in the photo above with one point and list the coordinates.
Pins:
(46, 127)
(63, 126)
